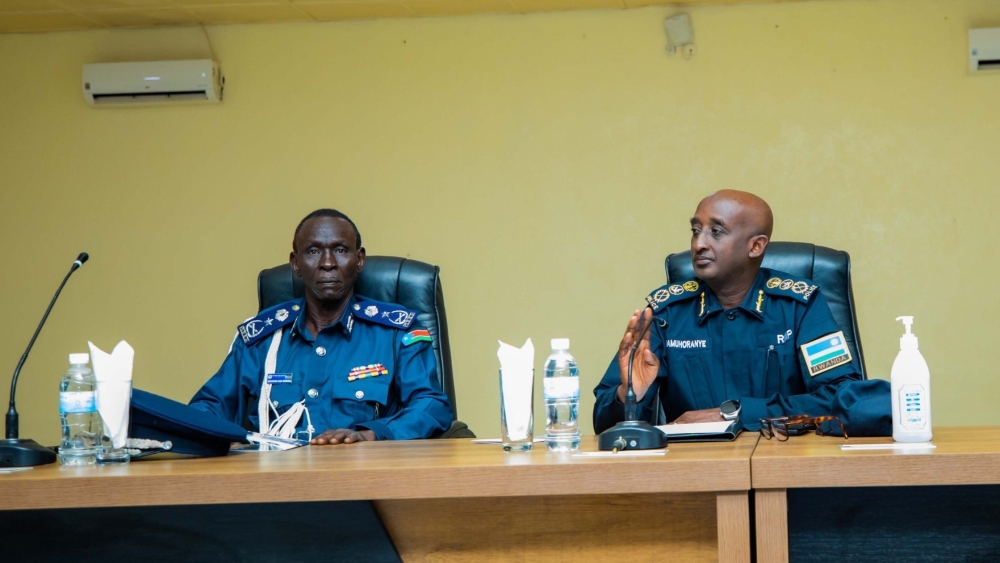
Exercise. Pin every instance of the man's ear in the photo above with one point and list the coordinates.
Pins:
(757, 246)
(361, 259)
(291, 262)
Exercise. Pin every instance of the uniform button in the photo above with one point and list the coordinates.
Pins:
(320, 351)
(359, 394)
(732, 315)
(275, 403)
(313, 393)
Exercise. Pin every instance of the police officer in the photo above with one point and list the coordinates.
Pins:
(738, 341)
(353, 368)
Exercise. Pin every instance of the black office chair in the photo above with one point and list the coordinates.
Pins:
(829, 268)
(412, 284)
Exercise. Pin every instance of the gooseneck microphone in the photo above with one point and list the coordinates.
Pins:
(631, 433)
(15, 452)
(630, 401)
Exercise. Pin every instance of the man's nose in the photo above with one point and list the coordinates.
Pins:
(327, 261)
(698, 243)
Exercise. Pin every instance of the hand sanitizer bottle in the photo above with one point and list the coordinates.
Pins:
(911, 390)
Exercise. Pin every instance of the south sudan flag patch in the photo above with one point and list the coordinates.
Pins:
(415, 336)
(825, 353)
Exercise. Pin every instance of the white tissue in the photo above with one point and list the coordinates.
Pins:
(517, 379)
(114, 389)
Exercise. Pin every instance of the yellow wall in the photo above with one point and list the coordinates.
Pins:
(546, 162)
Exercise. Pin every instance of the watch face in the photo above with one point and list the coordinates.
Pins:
(730, 407)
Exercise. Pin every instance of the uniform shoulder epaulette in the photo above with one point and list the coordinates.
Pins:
(786, 285)
(672, 293)
(268, 321)
(386, 314)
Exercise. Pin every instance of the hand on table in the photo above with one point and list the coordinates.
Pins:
(343, 436)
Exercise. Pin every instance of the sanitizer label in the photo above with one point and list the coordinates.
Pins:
(913, 407)
(561, 387)
(77, 401)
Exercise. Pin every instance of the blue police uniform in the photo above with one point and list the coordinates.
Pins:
(364, 371)
(779, 353)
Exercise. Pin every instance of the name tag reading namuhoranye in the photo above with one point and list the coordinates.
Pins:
(825, 353)
(278, 378)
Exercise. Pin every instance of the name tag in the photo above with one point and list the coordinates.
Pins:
(278, 378)
(687, 344)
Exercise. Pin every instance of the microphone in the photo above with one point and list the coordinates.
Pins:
(631, 433)
(630, 401)
(80, 261)
(16, 452)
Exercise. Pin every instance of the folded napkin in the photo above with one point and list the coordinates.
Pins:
(517, 377)
(114, 389)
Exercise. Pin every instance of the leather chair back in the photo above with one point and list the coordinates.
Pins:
(412, 284)
(829, 268)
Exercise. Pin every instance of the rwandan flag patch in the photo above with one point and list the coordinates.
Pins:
(825, 353)
(416, 336)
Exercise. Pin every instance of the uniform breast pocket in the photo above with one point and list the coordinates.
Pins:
(779, 365)
(364, 399)
(284, 395)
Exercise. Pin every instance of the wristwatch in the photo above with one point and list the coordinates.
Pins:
(730, 410)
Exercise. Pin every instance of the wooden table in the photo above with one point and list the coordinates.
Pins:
(452, 500)
(963, 456)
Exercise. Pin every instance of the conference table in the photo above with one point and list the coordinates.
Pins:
(455, 500)
(908, 497)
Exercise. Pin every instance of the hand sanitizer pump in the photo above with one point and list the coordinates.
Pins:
(911, 390)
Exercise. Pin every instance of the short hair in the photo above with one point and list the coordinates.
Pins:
(326, 212)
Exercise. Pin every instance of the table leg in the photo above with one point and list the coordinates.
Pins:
(733, 515)
(772, 525)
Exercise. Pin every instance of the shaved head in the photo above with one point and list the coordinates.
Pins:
(753, 212)
(729, 233)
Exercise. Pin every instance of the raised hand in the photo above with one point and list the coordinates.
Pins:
(645, 365)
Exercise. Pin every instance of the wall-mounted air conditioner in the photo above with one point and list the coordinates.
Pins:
(155, 82)
(984, 49)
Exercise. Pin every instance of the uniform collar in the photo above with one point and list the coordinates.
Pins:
(344, 324)
(753, 303)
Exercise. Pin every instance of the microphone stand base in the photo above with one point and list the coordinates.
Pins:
(24, 453)
(631, 435)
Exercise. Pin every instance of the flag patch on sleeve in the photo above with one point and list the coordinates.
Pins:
(416, 336)
(825, 353)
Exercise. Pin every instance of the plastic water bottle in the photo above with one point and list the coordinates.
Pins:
(82, 428)
(911, 390)
(562, 398)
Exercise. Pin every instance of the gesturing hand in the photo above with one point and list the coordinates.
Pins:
(343, 436)
(646, 365)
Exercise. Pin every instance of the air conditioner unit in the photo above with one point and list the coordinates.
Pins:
(155, 82)
(984, 49)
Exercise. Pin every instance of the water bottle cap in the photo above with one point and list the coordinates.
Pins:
(560, 343)
(75, 359)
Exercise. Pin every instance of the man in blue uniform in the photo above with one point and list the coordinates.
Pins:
(354, 368)
(736, 341)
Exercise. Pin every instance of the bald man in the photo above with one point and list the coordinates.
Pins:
(737, 341)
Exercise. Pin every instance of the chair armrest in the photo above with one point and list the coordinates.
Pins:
(458, 429)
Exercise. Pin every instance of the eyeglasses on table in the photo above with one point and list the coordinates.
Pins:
(783, 426)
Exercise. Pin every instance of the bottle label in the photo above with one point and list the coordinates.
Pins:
(913, 407)
(561, 387)
(77, 401)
